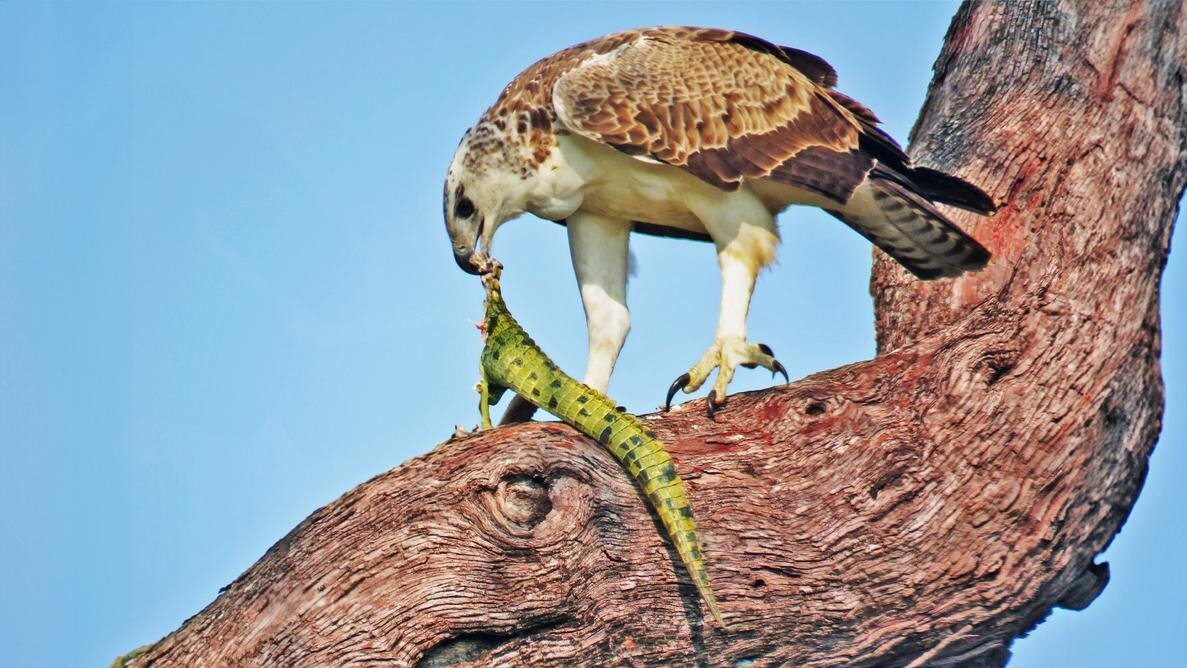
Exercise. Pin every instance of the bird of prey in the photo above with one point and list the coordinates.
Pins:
(693, 133)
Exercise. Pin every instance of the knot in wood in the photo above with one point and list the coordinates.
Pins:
(523, 499)
(993, 365)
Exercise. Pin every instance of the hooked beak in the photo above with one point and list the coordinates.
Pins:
(464, 258)
(463, 261)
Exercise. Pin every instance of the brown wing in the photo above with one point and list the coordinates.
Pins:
(725, 106)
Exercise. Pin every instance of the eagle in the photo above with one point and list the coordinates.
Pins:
(702, 134)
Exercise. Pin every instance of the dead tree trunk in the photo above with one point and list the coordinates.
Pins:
(922, 508)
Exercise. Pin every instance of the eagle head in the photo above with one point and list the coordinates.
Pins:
(484, 188)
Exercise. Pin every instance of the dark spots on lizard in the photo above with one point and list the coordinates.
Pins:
(552, 402)
(667, 474)
(605, 435)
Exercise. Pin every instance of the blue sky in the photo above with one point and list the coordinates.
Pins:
(226, 295)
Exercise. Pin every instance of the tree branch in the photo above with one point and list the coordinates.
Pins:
(922, 508)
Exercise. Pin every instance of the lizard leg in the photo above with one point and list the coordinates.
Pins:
(484, 402)
(488, 395)
(744, 232)
(600, 248)
(601, 256)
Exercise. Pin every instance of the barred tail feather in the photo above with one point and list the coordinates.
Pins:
(910, 229)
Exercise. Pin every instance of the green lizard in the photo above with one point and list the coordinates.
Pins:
(511, 360)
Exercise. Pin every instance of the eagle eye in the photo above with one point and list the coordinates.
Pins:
(464, 208)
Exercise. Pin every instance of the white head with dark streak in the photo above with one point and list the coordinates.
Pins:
(486, 185)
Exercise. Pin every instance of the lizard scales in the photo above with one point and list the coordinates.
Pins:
(511, 360)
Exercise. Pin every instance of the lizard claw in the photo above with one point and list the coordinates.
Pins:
(676, 386)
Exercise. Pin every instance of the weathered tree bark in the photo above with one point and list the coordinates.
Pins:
(923, 508)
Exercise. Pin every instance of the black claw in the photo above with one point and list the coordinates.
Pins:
(711, 407)
(676, 386)
(779, 369)
(764, 349)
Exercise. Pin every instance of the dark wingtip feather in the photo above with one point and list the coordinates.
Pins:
(940, 187)
(813, 66)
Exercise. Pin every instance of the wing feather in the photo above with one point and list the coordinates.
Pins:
(723, 105)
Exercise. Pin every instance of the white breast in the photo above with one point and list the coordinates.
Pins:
(596, 178)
